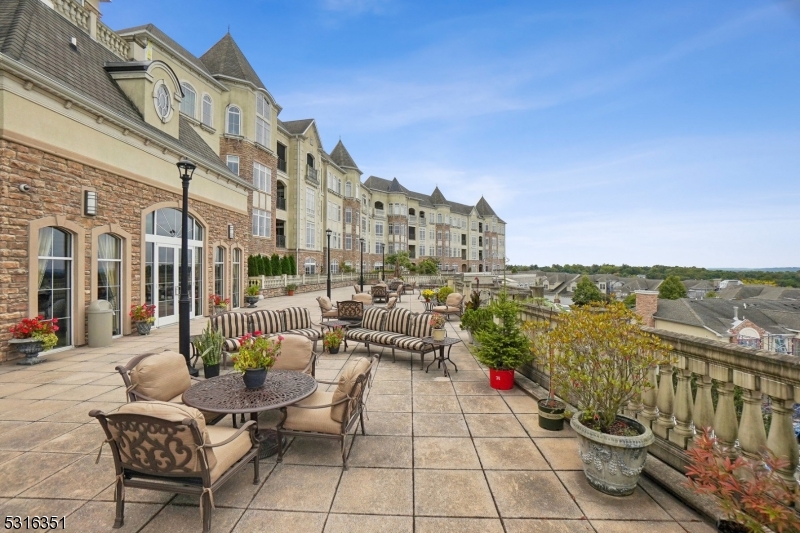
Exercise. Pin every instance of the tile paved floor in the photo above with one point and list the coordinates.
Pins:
(441, 455)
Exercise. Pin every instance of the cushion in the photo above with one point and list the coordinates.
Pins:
(296, 318)
(296, 353)
(308, 333)
(413, 344)
(267, 322)
(373, 319)
(227, 454)
(209, 417)
(419, 325)
(316, 420)
(454, 299)
(231, 324)
(347, 381)
(384, 337)
(364, 298)
(359, 334)
(440, 309)
(391, 303)
(161, 376)
(397, 320)
(231, 345)
(170, 412)
(324, 303)
(333, 313)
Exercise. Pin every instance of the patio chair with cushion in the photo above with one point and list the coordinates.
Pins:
(297, 353)
(364, 298)
(397, 293)
(159, 377)
(168, 447)
(379, 293)
(332, 415)
(454, 305)
(351, 310)
(391, 303)
(356, 289)
(326, 308)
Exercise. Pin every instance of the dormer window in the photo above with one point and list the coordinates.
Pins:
(234, 122)
(189, 100)
(208, 111)
(262, 120)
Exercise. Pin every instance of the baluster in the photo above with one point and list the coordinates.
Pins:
(752, 434)
(665, 403)
(726, 427)
(649, 412)
(634, 407)
(683, 433)
(781, 440)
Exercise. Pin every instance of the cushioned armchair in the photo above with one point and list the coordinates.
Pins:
(378, 293)
(332, 415)
(364, 298)
(454, 305)
(397, 292)
(297, 353)
(356, 289)
(159, 377)
(168, 447)
(326, 308)
(391, 303)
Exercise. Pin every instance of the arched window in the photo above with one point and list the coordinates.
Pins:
(236, 277)
(219, 271)
(55, 280)
(262, 120)
(379, 206)
(310, 160)
(208, 111)
(411, 212)
(348, 190)
(109, 276)
(189, 99)
(310, 266)
(234, 122)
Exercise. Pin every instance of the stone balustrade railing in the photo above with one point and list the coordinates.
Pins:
(73, 11)
(274, 282)
(88, 21)
(676, 415)
(111, 40)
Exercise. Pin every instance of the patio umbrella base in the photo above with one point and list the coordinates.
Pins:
(269, 444)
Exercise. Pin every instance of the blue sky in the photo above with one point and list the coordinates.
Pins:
(602, 132)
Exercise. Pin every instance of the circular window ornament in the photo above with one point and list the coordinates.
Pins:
(162, 100)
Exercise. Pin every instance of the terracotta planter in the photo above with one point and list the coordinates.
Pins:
(613, 464)
(143, 327)
(501, 379)
(551, 414)
(30, 348)
(290, 293)
(255, 378)
(438, 334)
(210, 371)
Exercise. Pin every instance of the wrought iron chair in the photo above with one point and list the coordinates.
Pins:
(454, 305)
(326, 308)
(297, 353)
(397, 293)
(379, 293)
(391, 303)
(332, 415)
(363, 297)
(356, 289)
(168, 447)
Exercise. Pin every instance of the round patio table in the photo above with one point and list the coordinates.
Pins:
(228, 395)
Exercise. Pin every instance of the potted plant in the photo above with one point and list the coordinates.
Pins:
(474, 300)
(443, 293)
(503, 347)
(253, 292)
(290, 288)
(256, 356)
(332, 339)
(551, 409)
(143, 315)
(602, 360)
(751, 493)
(427, 294)
(437, 323)
(475, 320)
(209, 346)
(219, 303)
(34, 335)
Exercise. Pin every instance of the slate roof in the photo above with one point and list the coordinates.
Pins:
(717, 315)
(484, 209)
(226, 59)
(342, 157)
(35, 35)
(394, 186)
(159, 35)
(297, 127)
(437, 197)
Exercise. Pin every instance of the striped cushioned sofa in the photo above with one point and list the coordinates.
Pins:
(289, 321)
(399, 329)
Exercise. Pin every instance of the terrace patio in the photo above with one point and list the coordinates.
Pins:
(441, 454)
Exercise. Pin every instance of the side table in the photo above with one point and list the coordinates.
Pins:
(442, 360)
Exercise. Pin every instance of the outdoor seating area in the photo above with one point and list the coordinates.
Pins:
(372, 442)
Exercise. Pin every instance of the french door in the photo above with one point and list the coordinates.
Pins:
(163, 273)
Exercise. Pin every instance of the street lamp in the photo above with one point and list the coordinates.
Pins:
(186, 170)
(328, 233)
(383, 262)
(362, 264)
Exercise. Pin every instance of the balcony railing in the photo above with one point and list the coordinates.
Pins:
(311, 175)
(380, 213)
(412, 219)
(422, 221)
(282, 165)
(281, 203)
(280, 241)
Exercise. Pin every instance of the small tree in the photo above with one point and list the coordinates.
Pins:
(286, 266)
(252, 267)
(630, 300)
(262, 262)
(275, 263)
(427, 266)
(399, 261)
(586, 292)
(672, 289)
(268, 267)
(503, 346)
(292, 266)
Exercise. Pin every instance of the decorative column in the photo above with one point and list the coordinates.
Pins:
(726, 426)
(649, 412)
(781, 440)
(683, 433)
(665, 403)
(752, 434)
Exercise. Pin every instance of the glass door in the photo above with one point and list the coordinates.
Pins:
(167, 283)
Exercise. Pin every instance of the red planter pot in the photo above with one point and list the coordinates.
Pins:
(501, 379)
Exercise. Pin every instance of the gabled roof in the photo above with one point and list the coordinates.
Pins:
(297, 127)
(461, 209)
(165, 39)
(484, 209)
(379, 184)
(717, 315)
(342, 157)
(226, 59)
(394, 186)
(437, 197)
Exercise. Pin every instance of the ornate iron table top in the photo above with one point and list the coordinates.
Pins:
(227, 394)
(447, 341)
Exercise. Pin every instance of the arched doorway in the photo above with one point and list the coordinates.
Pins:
(162, 264)
(463, 267)
(55, 281)
(480, 268)
(109, 275)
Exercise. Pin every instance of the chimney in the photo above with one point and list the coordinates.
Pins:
(735, 313)
(647, 306)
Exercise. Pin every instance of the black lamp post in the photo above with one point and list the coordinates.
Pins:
(186, 169)
(361, 241)
(383, 262)
(328, 233)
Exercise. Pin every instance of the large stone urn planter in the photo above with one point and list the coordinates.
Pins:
(30, 348)
(612, 464)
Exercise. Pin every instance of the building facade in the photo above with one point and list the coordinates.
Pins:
(92, 125)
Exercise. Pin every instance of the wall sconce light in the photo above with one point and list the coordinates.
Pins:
(230, 231)
(90, 203)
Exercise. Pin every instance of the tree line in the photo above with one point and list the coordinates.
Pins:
(780, 279)
(265, 265)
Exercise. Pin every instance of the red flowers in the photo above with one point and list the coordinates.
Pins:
(29, 327)
(143, 313)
